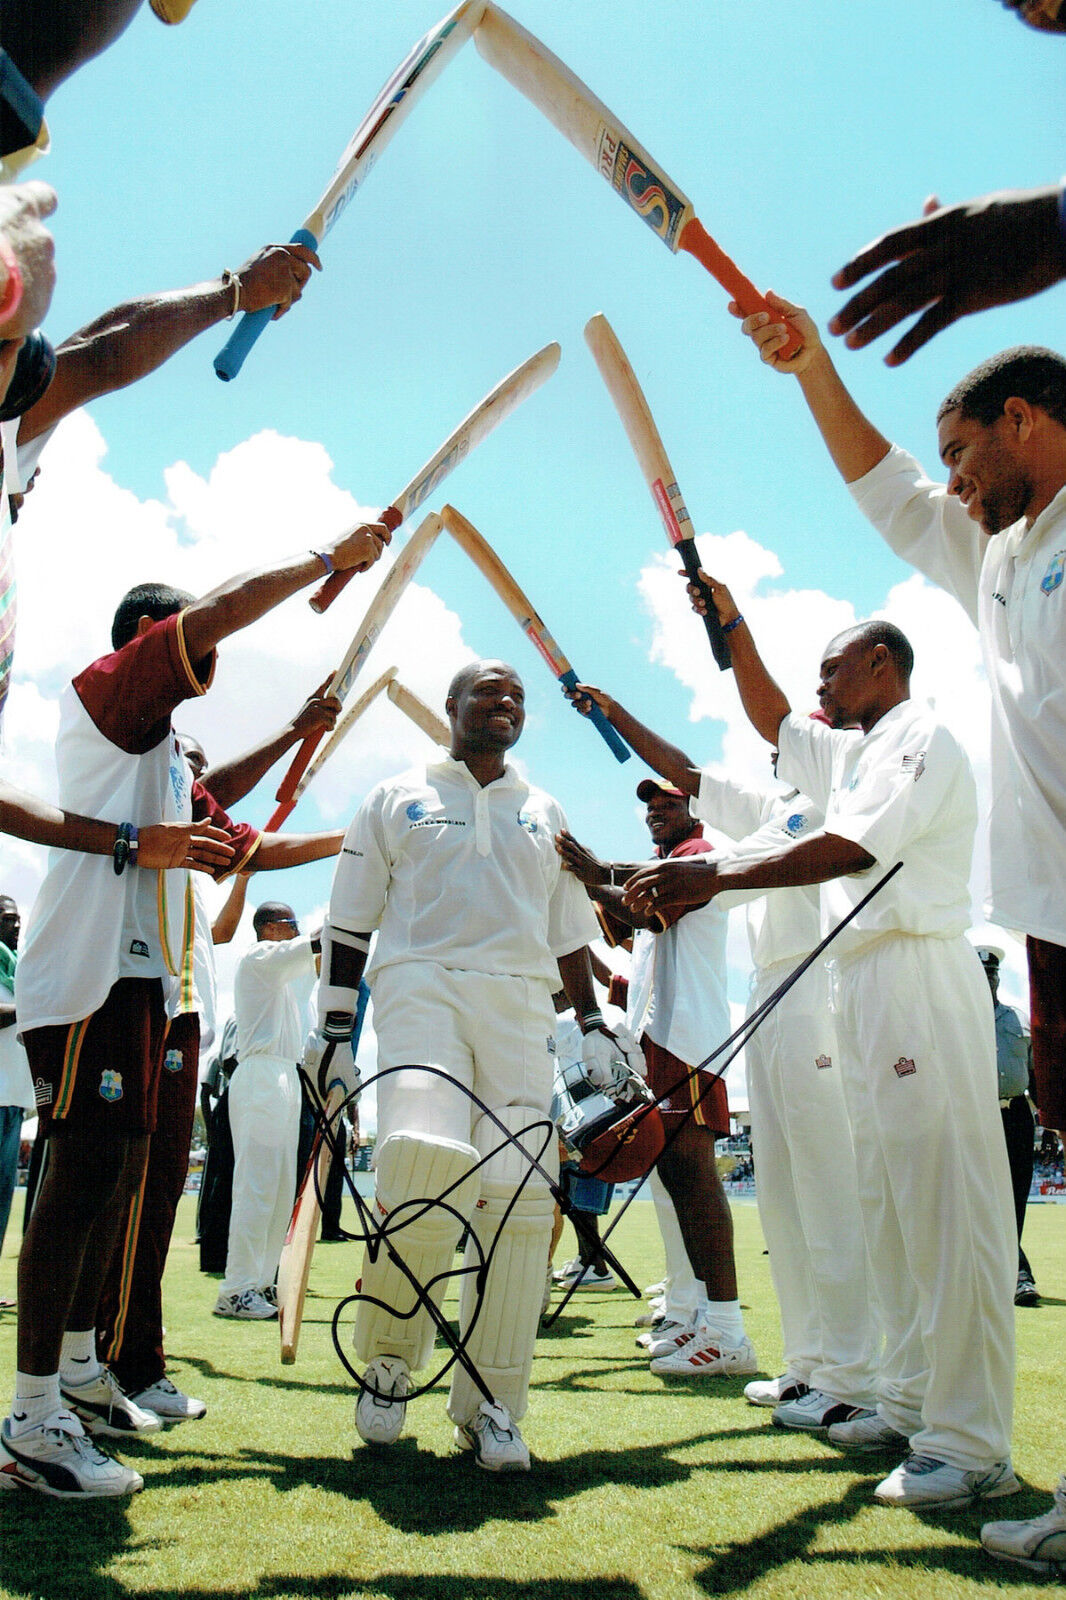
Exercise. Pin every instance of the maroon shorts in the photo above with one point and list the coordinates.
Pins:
(682, 1092)
(1047, 1019)
(105, 1069)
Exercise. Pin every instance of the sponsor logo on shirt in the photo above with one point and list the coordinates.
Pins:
(1002, 598)
(914, 764)
(139, 948)
(551, 1044)
(42, 1092)
(434, 822)
(823, 1063)
(346, 850)
(796, 823)
(173, 1061)
(178, 779)
(528, 821)
(110, 1084)
(415, 811)
(1053, 576)
(904, 1068)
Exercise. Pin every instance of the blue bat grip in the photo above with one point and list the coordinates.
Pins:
(230, 358)
(617, 745)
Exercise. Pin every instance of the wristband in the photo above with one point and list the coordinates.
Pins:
(326, 560)
(12, 298)
(591, 1021)
(134, 840)
(121, 852)
(727, 627)
(229, 278)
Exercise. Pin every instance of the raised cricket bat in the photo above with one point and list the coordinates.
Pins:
(377, 614)
(343, 728)
(475, 426)
(608, 144)
(294, 1268)
(412, 77)
(654, 463)
(484, 557)
(419, 713)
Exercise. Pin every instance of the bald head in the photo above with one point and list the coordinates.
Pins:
(486, 709)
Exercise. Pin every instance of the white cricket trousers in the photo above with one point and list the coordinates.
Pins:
(264, 1113)
(807, 1189)
(916, 1038)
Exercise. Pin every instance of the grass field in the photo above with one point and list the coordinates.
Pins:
(673, 1491)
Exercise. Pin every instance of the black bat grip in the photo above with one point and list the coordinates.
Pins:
(718, 642)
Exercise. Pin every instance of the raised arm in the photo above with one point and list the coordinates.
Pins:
(764, 703)
(665, 759)
(855, 445)
(133, 339)
(228, 920)
(278, 850)
(165, 844)
(662, 885)
(230, 781)
(603, 880)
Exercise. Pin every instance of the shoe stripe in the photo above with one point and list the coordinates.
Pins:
(53, 1473)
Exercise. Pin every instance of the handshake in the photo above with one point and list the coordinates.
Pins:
(328, 1060)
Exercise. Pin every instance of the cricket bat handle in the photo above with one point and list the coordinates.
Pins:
(698, 242)
(231, 357)
(327, 592)
(616, 744)
(286, 795)
(716, 638)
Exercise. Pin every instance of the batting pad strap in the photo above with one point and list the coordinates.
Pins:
(426, 1190)
(512, 1222)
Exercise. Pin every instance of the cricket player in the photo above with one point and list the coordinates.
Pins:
(799, 1122)
(916, 1045)
(454, 865)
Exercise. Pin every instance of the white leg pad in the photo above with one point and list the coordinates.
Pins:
(501, 1343)
(413, 1167)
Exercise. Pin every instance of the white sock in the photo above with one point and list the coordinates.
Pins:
(36, 1399)
(77, 1359)
(723, 1317)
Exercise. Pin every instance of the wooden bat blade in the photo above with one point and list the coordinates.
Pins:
(344, 727)
(476, 426)
(294, 1268)
(618, 157)
(422, 64)
(377, 614)
(632, 406)
(419, 713)
(517, 602)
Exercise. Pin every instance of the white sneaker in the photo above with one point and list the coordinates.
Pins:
(102, 1407)
(589, 1278)
(814, 1412)
(772, 1391)
(1039, 1543)
(867, 1430)
(494, 1438)
(168, 1403)
(58, 1459)
(572, 1269)
(270, 1295)
(703, 1355)
(923, 1481)
(379, 1416)
(668, 1336)
(248, 1305)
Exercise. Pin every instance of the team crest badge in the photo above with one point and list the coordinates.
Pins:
(915, 765)
(172, 1061)
(904, 1068)
(823, 1063)
(1053, 576)
(528, 821)
(111, 1084)
(416, 811)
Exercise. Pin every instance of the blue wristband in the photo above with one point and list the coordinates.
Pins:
(727, 627)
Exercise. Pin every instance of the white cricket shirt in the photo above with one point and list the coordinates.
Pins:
(904, 792)
(270, 998)
(461, 875)
(1012, 587)
(783, 924)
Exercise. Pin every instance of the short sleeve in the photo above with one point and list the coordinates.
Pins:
(805, 756)
(733, 808)
(241, 835)
(131, 694)
(898, 800)
(364, 869)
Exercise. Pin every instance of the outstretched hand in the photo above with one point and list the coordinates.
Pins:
(955, 261)
(723, 601)
(664, 885)
(586, 867)
(198, 845)
(319, 710)
(770, 334)
(583, 696)
(276, 276)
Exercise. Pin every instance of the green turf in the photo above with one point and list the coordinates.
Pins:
(672, 1491)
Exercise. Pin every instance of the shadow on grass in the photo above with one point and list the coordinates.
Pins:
(732, 1568)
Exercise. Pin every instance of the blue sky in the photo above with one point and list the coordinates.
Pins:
(800, 132)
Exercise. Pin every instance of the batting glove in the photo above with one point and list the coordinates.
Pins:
(328, 1062)
(602, 1059)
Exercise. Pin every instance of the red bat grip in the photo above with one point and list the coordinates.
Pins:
(327, 592)
(698, 242)
(299, 765)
